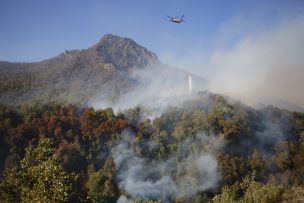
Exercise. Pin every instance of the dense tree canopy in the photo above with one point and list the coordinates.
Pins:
(64, 153)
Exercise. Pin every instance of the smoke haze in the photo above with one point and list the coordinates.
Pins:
(264, 68)
(156, 88)
(257, 65)
(141, 178)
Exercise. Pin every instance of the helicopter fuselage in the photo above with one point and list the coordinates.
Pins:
(175, 20)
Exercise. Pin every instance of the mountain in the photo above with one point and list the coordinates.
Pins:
(106, 69)
(209, 148)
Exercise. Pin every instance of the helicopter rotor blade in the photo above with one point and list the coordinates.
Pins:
(169, 17)
(182, 16)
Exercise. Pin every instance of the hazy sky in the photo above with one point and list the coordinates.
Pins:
(33, 30)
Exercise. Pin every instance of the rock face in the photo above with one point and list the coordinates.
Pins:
(104, 69)
(123, 53)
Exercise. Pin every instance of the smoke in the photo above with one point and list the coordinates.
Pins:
(265, 68)
(155, 88)
(143, 178)
(273, 128)
(124, 199)
(260, 68)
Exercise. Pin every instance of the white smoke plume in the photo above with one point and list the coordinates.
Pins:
(145, 179)
(124, 199)
(157, 88)
(264, 68)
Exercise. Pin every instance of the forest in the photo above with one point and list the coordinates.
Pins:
(209, 149)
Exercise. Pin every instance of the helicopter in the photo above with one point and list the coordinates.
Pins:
(176, 19)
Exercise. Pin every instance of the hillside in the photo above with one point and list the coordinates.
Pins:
(107, 69)
(114, 124)
(206, 150)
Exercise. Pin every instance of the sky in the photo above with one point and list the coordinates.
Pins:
(34, 30)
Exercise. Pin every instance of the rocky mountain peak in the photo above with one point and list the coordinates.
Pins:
(124, 52)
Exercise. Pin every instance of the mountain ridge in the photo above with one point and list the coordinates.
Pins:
(107, 39)
(105, 68)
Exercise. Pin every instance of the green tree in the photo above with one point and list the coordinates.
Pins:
(253, 191)
(41, 178)
(225, 197)
(101, 185)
